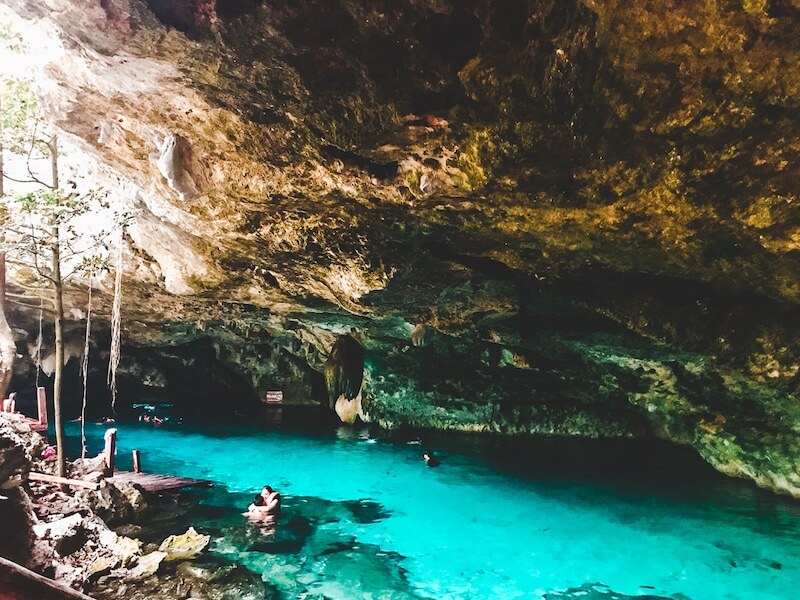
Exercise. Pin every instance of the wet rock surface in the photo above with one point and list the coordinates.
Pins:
(571, 218)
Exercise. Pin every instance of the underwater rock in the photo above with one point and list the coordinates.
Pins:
(599, 591)
(366, 511)
(362, 570)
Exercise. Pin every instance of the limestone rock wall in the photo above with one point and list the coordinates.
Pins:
(566, 217)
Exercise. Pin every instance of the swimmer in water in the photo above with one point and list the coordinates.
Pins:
(430, 459)
(268, 502)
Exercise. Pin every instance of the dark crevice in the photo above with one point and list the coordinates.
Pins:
(483, 264)
(318, 23)
(508, 20)
(193, 17)
(193, 376)
(781, 9)
(233, 9)
(385, 171)
(540, 308)
(453, 38)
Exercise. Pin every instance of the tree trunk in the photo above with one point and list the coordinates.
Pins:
(58, 296)
(2, 153)
(8, 348)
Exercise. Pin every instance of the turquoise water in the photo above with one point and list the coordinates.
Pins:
(366, 517)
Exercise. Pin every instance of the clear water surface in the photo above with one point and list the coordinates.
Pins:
(364, 517)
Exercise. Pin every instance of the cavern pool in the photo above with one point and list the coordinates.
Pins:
(365, 517)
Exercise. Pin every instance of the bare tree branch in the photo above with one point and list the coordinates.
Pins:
(35, 139)
(15, 180)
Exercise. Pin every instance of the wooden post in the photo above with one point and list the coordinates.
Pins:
(110, 449)
(41, 402)
(137, 467)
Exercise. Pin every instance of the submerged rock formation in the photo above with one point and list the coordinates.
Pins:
(66, 536)
(575, 218)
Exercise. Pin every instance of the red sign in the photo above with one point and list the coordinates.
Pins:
(274, 397)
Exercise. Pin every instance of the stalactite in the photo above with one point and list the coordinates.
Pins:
(344, 369)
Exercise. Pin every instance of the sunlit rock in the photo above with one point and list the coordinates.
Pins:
(146, 566)
(184, 546)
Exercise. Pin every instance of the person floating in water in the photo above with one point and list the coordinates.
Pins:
(430, 459)
(268, 502)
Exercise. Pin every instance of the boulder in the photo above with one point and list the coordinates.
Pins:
(146, 566)
(14, 465)
(136, 499)
(125, 549)
(15, 525)
(89, 469)
(21, 435)
(101, 566)
(113, 503)
(59, 528)
(67, 573)
(185, 546)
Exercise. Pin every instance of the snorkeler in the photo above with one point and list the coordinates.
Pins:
(430, 459)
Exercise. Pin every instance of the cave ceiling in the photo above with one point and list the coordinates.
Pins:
(588, 203)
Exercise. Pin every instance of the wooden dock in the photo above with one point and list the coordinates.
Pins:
(157, 483)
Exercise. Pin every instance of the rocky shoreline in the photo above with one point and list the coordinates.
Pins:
(91, 539)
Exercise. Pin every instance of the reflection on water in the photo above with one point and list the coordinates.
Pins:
(501, 518)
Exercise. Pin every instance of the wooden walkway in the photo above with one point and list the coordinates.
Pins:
(157, 483)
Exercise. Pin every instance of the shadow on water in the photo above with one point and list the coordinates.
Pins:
(598, 591)
(628, 466)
